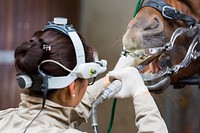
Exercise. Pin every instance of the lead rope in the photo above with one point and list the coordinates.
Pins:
(137, 7)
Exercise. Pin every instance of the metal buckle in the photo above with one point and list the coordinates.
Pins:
(164, 10)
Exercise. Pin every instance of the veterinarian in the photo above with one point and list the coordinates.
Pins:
(54, 69)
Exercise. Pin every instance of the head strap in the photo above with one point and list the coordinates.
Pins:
(60, 25)
(170, 12)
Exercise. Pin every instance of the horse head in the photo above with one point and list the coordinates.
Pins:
(153, 27)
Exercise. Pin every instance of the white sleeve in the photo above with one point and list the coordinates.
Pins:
(148, 118)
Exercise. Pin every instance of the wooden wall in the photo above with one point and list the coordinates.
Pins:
(19, 19)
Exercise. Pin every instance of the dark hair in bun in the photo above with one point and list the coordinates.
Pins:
(30, 54)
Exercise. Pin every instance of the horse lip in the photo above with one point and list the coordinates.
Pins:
(159, 86)
(153, 77)
(154, 63)
(158, 81)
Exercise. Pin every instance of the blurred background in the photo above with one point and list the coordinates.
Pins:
(102, 23)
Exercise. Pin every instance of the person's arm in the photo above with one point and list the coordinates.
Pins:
(94, 90)
(91, 93)
(148, 118)
(147, 115)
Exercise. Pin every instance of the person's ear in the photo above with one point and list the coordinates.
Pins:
(72, 90)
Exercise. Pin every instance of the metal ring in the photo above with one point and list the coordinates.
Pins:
(164, 9)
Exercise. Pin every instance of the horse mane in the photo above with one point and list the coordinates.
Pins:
(189, 7)
(186, 2)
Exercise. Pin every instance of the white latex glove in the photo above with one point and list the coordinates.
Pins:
(125, 61)
(132, 83)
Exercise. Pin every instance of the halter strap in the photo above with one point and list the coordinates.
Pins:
(170, 12)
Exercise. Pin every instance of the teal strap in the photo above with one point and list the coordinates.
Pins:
(112, 115)
(137, 7)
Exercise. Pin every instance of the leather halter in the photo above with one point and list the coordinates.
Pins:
(170, 12)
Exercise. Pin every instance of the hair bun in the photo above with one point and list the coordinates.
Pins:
(26, 52)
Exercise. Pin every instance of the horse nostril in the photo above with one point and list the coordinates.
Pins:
(152, 24)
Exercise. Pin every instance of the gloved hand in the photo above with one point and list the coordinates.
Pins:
(125, 61)
(132, 83)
